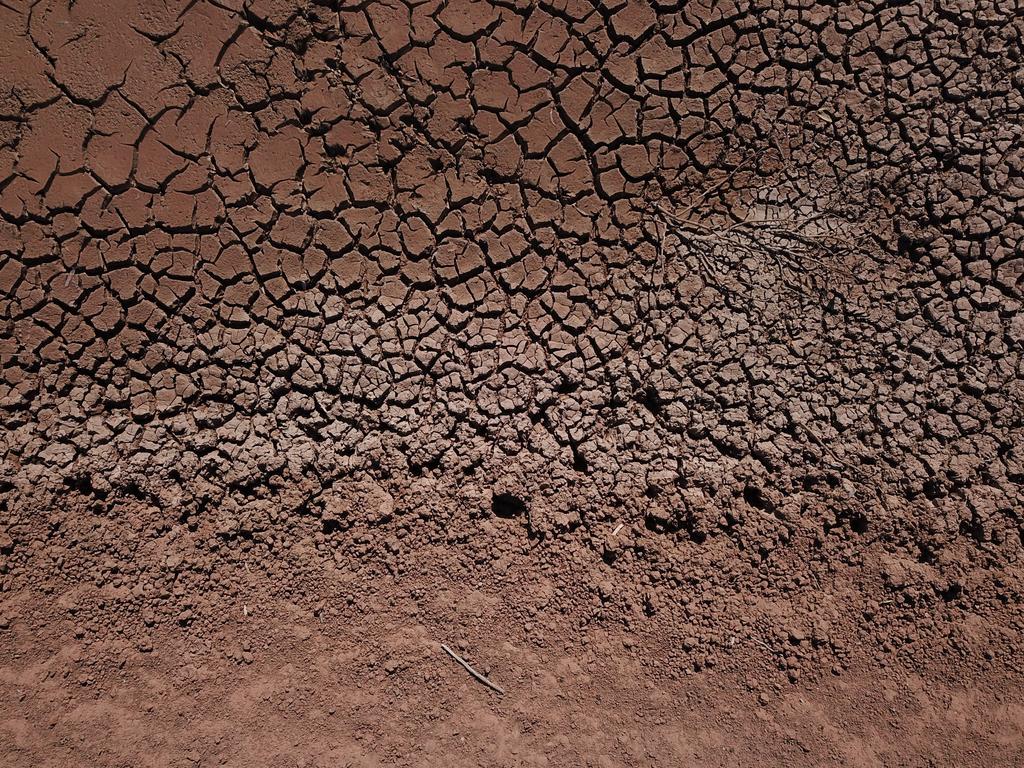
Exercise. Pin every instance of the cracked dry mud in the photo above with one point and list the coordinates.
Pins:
(664, 359)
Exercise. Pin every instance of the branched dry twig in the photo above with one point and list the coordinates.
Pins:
(790, 241)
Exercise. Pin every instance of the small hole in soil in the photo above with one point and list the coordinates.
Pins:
(566, 387)
(754, 496)
(507, 505)
(579, 463)
(417, 469)
(655, 524)
(859, 523)
(331, 526)
(81, 483)
(650, 399)
(952, 592)
(973, 528)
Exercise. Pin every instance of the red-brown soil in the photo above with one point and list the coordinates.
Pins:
(663, 359)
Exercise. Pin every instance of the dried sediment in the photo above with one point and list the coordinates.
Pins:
(370, 288)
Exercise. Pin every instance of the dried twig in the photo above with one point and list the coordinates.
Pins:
(791, 242)
(472, 671)
(714, 187)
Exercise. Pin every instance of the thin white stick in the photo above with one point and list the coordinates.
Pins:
(472, 671)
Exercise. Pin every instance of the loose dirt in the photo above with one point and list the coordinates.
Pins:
(663, 360)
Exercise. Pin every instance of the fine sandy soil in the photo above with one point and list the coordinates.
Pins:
(663, 360)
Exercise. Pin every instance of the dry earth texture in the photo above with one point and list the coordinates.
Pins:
(663, 359)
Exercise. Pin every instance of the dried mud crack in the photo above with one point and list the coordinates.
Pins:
(658, 358)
